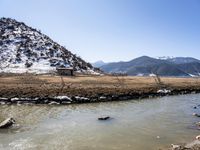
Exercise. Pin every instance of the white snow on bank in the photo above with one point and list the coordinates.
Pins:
(152, 75)
(165, 91)
(63, 98)
(140, 75)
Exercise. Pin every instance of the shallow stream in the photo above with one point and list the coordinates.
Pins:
(147, 124)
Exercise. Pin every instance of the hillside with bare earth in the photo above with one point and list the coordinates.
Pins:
(25, 49)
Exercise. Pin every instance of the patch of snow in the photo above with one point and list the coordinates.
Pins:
(102, 97)
(192, 75)
(81, 98)
(14, 99)
(165, 91)
(63, 98)
(165, 57)
(152, 75)
(140, 75)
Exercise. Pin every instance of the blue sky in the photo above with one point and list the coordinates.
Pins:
(113, 30)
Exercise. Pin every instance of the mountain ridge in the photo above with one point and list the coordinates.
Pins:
(99, 63)
(145, 65)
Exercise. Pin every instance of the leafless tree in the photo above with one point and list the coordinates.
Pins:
(120, 81)
(158, 81)
(62, 83)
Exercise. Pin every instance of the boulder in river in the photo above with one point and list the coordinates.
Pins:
(195, 107)
(198, 124)
(175, 147)
(198, 137)
(7, 123)
(104, 118)
(195, 114)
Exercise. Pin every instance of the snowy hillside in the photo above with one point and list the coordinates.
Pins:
(24, 49)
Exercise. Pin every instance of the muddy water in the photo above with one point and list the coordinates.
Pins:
(135, 125)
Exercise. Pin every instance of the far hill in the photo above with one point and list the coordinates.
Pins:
(144, 66)
(99, 63)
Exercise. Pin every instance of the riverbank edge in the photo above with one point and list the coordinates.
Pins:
(194, 145)
(66, 100)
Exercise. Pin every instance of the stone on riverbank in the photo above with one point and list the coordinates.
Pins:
(176, 147)
(195, 145)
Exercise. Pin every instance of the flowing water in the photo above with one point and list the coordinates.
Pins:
(147, 124)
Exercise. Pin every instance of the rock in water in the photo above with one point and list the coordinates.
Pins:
(195, 114)
(195, 107)
(104, 118)
(198, 137)
(7, 123)
(198, 124)
(176, 147)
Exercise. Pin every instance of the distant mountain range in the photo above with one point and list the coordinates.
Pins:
(164, 66)
(99, 63)
(25, 49)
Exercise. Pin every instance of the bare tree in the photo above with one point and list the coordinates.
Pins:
(120, 81)
(62, 83)
(158, 81)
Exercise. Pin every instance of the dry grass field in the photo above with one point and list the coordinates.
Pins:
(46, 85)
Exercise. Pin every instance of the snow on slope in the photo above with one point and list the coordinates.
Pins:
(24, 49)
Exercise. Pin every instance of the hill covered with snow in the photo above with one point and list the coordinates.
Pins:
(25, 49)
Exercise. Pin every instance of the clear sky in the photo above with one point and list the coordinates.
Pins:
(113, 30)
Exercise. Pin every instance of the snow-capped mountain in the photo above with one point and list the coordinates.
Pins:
(24, 49)
(148, 66)
(165, 57)
(179, 60)
(183, 60)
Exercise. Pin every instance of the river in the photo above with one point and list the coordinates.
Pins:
(147, 124)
